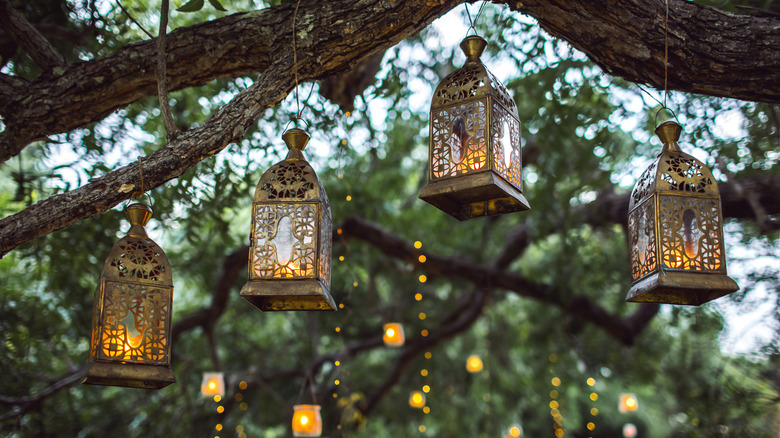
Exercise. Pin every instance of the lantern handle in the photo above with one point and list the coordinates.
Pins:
(296, 119)
(472, 23)
(655, 122)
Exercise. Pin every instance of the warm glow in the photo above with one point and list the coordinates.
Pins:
(426, 389)
(337, 363)
(591, 381)
(220, 409)
(213, 384)
(553, 404)
(217, 398)
(673, 259)
(421, 315)
(628, 403)
(553, 358)
(556, 381)
(417, 399)
(553, 394)
(418, 296)
(423, 372)
(394, 334)
(594, 412)
(242, 385)
(422, 259)
(418, 244)
(515, 431)
(594, 396)
(337, 382)
(427, 410)
(424, 333)
(629, 430)
(421, 428)
(306, 421)
(243, 406)
(474, 364)
(559, 432)
(341, 258)
(349, 198)
(427, 354)
(423, 279)
(218, 427)
(591, 426)
(338, 329)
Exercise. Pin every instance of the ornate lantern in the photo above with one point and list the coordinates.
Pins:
(675, 230)
(417, 399)
(627, 403)
(131, 319)
(307, 421)
(393, 334)
(213, 384)
(474, 154)
(289, 253)
(473, 364)
(629, 430)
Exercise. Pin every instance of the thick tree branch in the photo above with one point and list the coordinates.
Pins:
(28, 37)
(26, 403)
(712, 52)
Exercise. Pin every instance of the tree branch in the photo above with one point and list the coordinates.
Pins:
(28, 402)
(731, 55)
(28, 37)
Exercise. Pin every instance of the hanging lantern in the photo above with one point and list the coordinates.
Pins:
(628, 403)
(213, 384)
(473, 364)
(474, 155)
(289, 253)
(131, 318)
(417, 399)
(393, 334)
(675, 229)
(307, 421)
(629, 430)
(516, 431)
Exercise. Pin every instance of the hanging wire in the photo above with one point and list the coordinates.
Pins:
(473, 23)
(295, 61)
(666, 54)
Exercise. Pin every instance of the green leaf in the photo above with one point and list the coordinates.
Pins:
(217, 5)
(191, 6)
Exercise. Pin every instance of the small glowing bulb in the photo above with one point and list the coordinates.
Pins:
(220, 409)
(418, 244)
(242, 385)
(556, 381)
(421, 428)
(427, 410)
(426, 388)
(422, 259)
(217, 398)
(349, 198)
(341, 258)
(341, 305)
(594, 396)
(418, 296)
(421, 315)
(423, 372)
(591, 426)
(423, 279)
(424, 333)
(218, 427)
(594, 412)
(514, 431)
(390, 332)
(337, 382)
(591, 381)
(355, 284)
(337, 363)
(339, 231)
(427, 354)
(338, 329)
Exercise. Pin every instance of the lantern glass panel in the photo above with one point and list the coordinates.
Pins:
(285, 240)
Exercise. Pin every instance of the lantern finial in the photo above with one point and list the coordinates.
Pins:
(138, 214)
(473, 46)
(669, 133)
(296, 140)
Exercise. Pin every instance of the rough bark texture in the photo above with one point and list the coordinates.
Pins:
(711, 52)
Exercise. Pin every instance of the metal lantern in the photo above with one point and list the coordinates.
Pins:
(131, 320)
(474, 154)
(627, 403)
(417, 399)
(289, 252)
(393, 334)
(307, 421)
(213, 384)
(675, 230)
(474, 364)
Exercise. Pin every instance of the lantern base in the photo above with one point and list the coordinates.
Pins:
(273, 295)
(129, 375)
(475, 195)
(691, 288)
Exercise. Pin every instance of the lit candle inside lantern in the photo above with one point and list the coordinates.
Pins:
(629, 430)
(474, 364)
(417, 399)
(307, 421)
(393, 334)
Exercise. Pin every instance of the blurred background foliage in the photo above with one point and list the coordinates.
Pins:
(585, 134)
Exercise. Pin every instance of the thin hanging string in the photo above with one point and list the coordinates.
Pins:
(472, 23)
(295, 61)
(311, 386)
(141, 171)
(666, 53)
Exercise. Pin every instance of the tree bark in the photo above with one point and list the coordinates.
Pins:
(711, 52)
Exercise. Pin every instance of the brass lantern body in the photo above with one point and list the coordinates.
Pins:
(675, 228)
(131, 320)
(290, 242)
(474, 153)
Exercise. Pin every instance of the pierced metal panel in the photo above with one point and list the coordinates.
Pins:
(645, 186)
(135, 324)
(458, 143)
(285, 241)
(681, 172)
(641, 231)
(691, 234)
(290, 180)
(466, 82)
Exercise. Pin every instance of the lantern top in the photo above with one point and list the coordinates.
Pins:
(292, 179)
(472, 81)
(136, 257)
(673, 170)
(472, 47)
(296, 140)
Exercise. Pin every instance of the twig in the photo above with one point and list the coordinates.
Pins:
(126, 12)
(162, 77)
